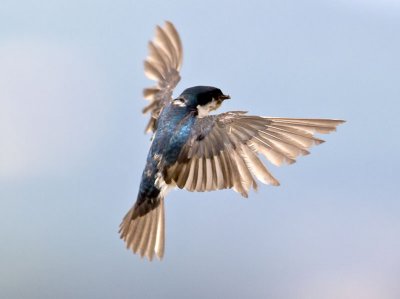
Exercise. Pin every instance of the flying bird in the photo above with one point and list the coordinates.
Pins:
(193, 150)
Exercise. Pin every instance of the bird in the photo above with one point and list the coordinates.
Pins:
(197, 151)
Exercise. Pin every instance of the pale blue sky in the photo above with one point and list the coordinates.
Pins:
(72, 150)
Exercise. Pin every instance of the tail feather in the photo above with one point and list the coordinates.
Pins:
(145, 234)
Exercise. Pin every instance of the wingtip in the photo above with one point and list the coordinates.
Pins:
(276, 184)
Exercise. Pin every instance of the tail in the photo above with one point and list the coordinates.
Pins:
(144, 233)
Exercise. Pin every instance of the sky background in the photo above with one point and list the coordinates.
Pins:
(72, 150)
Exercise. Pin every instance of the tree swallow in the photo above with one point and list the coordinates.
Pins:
(199, 152)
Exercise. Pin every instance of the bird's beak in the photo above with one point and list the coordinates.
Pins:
(224, 97)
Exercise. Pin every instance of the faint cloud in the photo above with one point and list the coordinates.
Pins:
(52, 107)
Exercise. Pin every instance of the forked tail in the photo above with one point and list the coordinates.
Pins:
(144, 233)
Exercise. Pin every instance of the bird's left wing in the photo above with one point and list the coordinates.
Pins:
(162, 65)
(222, 150)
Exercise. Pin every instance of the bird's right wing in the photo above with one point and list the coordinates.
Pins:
(221, 152)
(162, 65)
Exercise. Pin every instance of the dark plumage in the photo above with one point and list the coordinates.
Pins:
(199, 152)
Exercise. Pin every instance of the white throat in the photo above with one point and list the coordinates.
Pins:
(203, 111)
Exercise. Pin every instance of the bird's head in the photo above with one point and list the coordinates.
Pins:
(202, 98)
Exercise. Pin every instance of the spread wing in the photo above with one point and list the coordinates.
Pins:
(222, 150)
(162, 65)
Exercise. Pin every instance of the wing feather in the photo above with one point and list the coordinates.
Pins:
(174, 38)
(166, 44)
(162, 65)
(190, 178)
(222, 150)
(219, 173)
(244, 180)
(256, 167)
(152, 72)
(183, 174)
(225, 170)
